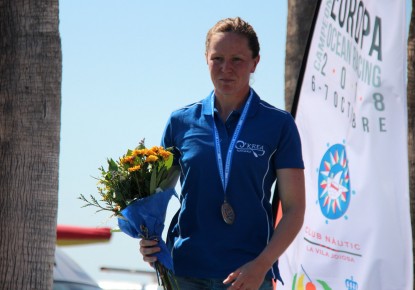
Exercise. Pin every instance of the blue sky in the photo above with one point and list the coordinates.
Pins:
(126, 65)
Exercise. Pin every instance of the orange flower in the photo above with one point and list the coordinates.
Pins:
(157, 149)
(151, 158)
(165, 154)
(139, 152)
(135, 168)
(127, 159)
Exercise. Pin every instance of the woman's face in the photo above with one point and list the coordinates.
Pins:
(230, 64)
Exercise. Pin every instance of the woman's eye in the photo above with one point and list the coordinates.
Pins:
(217, 60)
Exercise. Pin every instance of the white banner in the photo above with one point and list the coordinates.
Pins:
(352, 117)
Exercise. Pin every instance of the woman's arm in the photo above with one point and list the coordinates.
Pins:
(292, 195)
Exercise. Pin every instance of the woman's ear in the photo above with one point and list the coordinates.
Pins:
(256, 61)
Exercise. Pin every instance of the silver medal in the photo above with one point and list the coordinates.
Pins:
(227, 213)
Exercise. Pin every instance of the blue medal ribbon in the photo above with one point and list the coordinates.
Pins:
(224, 173)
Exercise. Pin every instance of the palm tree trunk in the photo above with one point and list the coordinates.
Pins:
(411, 120)
(30, 88)
(300, 17)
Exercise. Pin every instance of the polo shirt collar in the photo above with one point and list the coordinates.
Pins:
(207, 105)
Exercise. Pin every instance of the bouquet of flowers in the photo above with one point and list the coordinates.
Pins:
(136, 189)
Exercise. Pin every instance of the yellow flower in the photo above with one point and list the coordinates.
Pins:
(127, 159)
(151, 158)
(135, 168)
(165, 154)
(156, 149)
(139, 152)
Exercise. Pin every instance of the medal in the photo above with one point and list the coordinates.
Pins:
(227, 213)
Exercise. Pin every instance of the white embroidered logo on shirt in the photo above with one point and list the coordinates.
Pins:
(257, 150)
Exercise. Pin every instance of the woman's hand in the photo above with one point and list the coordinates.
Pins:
(249, 276)
(148, 248)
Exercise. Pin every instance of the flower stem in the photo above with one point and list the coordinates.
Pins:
(164, 276)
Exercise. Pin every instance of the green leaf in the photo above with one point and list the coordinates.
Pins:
(161, 175)
(141, 145)
(169, 162)
(153, 181)
(168, 180)
(112, 165)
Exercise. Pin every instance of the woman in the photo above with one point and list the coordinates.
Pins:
(230, 148)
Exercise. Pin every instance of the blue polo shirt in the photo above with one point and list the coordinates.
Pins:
(202, 244)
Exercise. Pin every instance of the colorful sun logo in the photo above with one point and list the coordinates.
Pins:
(334, 183)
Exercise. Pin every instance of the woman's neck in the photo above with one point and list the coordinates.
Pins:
(227, 104)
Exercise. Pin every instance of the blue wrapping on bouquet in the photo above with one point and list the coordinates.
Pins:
(150, 213)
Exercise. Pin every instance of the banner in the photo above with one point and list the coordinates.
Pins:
(352, 118)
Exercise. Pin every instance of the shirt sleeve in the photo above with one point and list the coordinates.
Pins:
(289, 154)
(167, 141)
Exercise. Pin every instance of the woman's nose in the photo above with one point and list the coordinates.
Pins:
(227, 65)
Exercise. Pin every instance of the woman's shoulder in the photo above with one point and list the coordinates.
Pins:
(273, 112)
(195, 109)
(267, 108)
(186, 108)
(189, 112)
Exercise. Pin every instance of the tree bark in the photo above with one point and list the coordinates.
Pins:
(30, 103)
(299, 19)
(411, 121)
